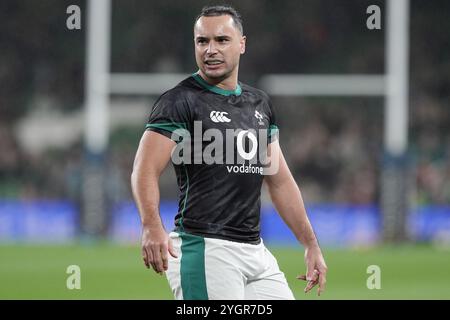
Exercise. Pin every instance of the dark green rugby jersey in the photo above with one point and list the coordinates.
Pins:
(218, 200)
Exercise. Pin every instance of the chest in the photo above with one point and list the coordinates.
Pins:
(235, 113)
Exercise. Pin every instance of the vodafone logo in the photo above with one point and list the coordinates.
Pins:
(240, 144)
(242, 151)
(219, 116)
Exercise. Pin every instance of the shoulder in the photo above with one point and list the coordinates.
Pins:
(255, 91)
(178, 100)
(258, 97)
(182, 92)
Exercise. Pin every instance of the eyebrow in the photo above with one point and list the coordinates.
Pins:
(221, 37)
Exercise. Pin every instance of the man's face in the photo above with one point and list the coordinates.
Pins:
(218, 46)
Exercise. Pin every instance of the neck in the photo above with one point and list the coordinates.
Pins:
(228, 83)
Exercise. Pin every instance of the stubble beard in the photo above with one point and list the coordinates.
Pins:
(219, 76)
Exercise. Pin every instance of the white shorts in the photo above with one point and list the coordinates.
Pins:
(215, 269)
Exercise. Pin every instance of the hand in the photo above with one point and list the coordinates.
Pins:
(316, 270)
(156, 244)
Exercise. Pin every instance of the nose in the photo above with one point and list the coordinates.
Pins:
(211, 49)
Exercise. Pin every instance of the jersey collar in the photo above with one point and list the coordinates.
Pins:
(216, 89)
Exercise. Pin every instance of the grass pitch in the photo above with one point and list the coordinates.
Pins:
(117, 272)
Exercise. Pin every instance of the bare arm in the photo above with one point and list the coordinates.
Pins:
(288, 201)
(152, 157)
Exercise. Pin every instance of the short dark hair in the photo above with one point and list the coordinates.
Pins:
(215, 11)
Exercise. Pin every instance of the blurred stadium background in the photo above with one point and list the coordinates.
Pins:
(65, 163)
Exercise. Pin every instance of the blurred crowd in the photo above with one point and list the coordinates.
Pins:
(334, 146)
(333, 149)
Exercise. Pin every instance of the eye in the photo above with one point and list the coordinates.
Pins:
(201, 41)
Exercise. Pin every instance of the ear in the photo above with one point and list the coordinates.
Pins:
(242, 43)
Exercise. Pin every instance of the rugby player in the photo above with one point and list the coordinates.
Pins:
(215, 250)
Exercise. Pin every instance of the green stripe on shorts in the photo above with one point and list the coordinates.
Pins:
(193, 279)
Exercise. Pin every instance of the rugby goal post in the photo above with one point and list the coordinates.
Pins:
(393, 85)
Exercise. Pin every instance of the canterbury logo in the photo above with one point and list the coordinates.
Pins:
(217, 116)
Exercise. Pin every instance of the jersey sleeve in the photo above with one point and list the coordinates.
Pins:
(169, 114)
(272, 133)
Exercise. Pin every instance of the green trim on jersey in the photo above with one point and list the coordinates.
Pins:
(273, 129)
(192, 269)
(185, 199)
(168, 126)
(215, 89)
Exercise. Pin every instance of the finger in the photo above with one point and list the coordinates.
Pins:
(310, 285)
(302, 277)
(310, 272)
(322, 283)
(315, 275)
(172, 250)
(164, 258)
(157, 259)
(151, 258)
(145, 257)
(322, 279)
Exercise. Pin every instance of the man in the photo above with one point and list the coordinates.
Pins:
(215, 251)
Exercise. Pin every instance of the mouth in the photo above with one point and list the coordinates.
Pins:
(213, 63)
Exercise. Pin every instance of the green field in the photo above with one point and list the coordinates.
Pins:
(116, 272)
